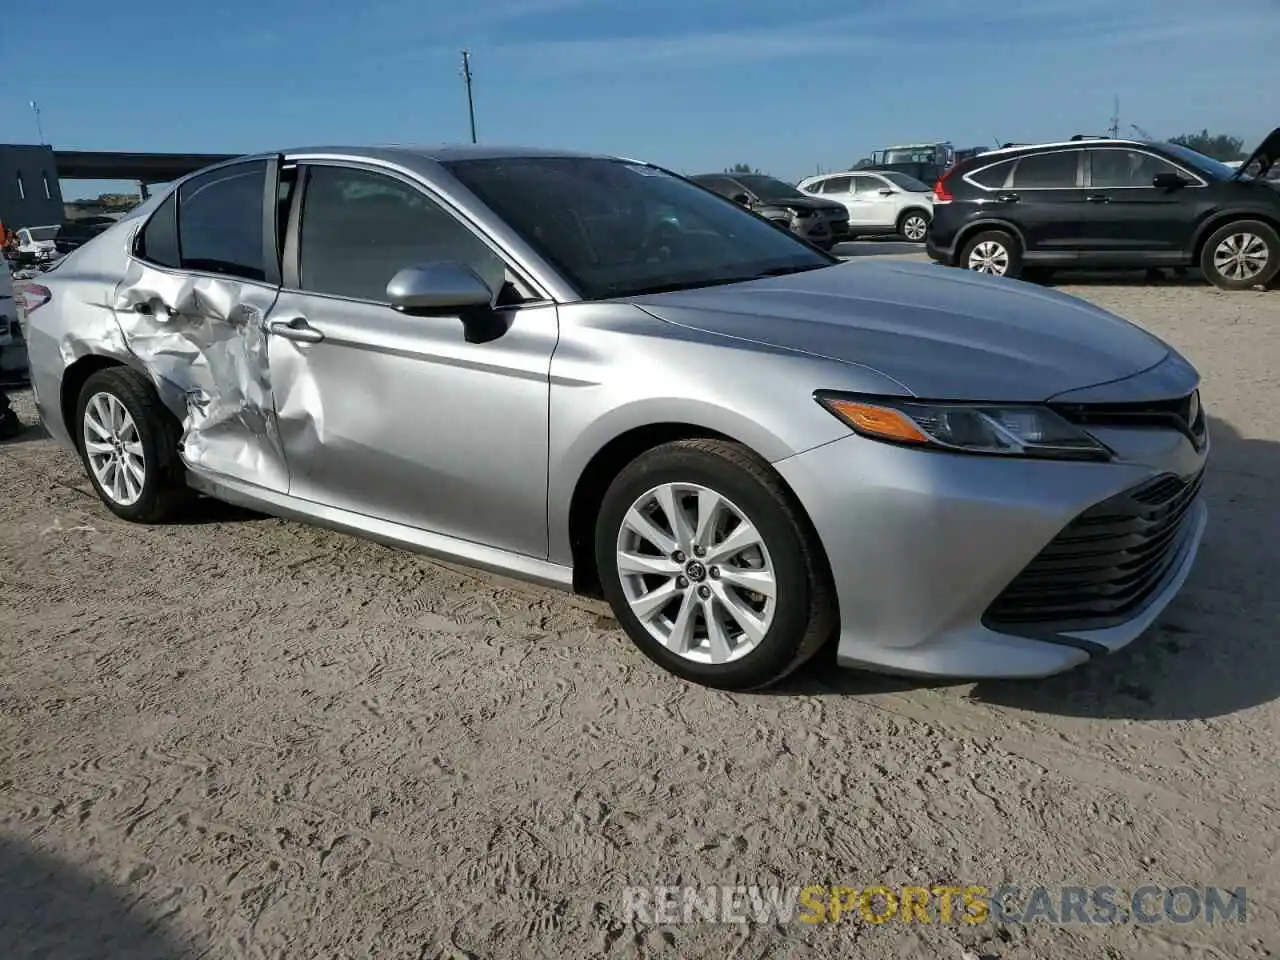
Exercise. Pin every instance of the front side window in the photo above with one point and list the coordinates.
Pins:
(359, 229)
(614, 228)
(837, 185)
(868, 185)
(220, 221)
(904, 182)
(1047, 170)
(1126, 168)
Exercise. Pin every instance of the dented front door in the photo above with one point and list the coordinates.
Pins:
(192, 308)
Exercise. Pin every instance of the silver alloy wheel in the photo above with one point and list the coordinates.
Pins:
(1241, 256)
(697, 573)
(114, 449)
(915, 227)
(989, 256)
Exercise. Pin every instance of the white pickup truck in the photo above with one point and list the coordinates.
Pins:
(38, 242)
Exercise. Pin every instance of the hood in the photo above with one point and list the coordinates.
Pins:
(804, 203)
(944, 334)
(1266, 154)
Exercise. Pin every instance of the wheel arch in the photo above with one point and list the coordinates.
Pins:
(969, 230)
(1219, 220)
(609, 461)
(73, 380)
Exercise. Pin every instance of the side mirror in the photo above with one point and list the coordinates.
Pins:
(886, 192)
(1168, 181)
(741, 198)
(442, 287)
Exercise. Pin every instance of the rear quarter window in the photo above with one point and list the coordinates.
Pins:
(993, 177)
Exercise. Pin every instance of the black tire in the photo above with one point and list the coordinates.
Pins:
(1241, 228)
(905, 224)
(1006, 241)
(805, 614)
(164, 489)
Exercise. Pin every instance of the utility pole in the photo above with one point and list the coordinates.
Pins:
(471, 104)
(1115, 121)
(35, 108)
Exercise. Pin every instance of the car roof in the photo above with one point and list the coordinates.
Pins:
(1060, 144)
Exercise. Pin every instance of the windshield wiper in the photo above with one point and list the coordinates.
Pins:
(794, 268)
(682, 285)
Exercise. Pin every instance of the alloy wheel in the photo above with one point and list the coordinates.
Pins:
(915, 227)
(114, 449)
(696, 573)
(989, 257)
(1241, 256)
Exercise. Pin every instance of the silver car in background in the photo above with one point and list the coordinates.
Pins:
(595, 374)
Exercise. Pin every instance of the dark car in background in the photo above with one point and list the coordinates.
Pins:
(1106, 204)
(821, 222)
(76, 233)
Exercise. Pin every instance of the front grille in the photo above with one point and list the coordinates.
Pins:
(1182, 413)
(1106, 564)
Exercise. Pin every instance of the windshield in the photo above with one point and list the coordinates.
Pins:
(619, 229)
(769, 188)
(905, 182)
(1214, 168)
(43, 233)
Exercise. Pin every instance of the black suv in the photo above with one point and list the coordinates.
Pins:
(821, 222)
(1095, 203)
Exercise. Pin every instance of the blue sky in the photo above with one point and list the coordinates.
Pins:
(693, 84)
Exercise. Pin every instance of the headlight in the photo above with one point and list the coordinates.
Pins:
(999, 429)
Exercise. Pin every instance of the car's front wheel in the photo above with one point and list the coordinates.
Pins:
(914, 225)
(128, 440)
(993, 252)
(1241, 255)
(711, 568)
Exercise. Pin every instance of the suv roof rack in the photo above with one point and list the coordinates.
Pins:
(1089, 136)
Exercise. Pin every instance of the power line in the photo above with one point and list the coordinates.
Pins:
(471, 104)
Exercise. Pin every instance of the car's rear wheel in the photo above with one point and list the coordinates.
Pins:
(1241, 255)
(914, 225)
(993, 252)
(128, 440)
(710, 567)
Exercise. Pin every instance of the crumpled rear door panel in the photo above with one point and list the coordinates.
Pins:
(202, 340)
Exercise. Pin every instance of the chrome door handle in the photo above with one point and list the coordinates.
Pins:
(1008, 198)
(296, 329)
(1098, 198)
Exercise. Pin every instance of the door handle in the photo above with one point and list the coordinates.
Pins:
(1008, 197)
(152, 307)
(296, 329)
(1098, 198)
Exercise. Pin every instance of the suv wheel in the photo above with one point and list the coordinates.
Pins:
(129, 443)
(709, 567)
(1241, 255)
(914, 225)
(993, 252)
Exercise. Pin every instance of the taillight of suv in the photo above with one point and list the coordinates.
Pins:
(940, 192)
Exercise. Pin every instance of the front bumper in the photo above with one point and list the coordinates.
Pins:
(921, 544)
(819, 230)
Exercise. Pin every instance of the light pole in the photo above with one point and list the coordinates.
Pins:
(35, 108)
(471, 104)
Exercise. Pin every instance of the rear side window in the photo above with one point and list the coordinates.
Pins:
(158, 241)
(1046, 170)
(994, 177)
(220, 221)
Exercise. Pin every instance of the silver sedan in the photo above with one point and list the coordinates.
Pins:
(593, 373)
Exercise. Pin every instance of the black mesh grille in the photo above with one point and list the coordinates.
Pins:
(1104, 565)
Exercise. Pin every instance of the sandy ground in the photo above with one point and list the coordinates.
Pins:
(242, 737)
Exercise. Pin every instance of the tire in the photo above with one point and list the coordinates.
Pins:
(154, 437)
(802, 615)
(1003, 249)
(1241, 255)
(914, 225)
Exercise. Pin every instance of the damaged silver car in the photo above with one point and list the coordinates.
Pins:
(595, 374)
